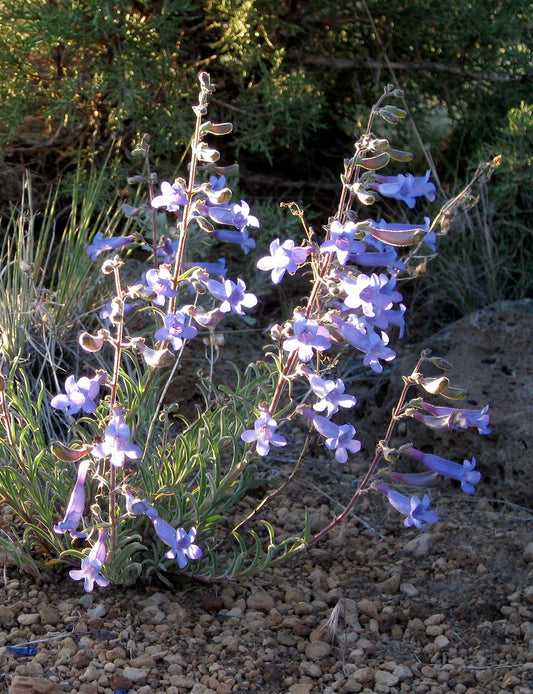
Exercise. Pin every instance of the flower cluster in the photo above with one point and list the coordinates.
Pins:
(354, 302)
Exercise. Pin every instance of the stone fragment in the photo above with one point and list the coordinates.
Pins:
(261, 601)
(135, 674)
(527, 555)
(300, 688)
(317, 650)
(28, 619)
(80, 660)
(33, 685)
(420, 546)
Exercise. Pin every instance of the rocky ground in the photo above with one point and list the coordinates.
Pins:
(374, 608)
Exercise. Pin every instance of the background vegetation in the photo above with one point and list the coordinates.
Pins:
(82, 78)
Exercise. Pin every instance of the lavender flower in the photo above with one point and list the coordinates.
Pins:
(283, 258)
(233, 295)
(342, 241)
(116, 443)
(75, 505)
(452, 418)
(242, 238)
(172, 196)
(330, 393)
(264, 433)
(177, 328)
(405, 187)
(235, 215)
(160, 282)
(416, 511)
(92, 565)
(338, 438)
(308, 336)
(79, 395)
(181, 543)
(372, 294)
(99, 244)
(464, 473)
(137, 507)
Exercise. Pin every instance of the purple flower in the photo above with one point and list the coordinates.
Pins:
(372, 294)
(283, 258)
(405, 187)
(235, 215)
(338, 438)
(181, 543)
(79, 395)
(464, 473)
(241, 238)
(116, 443)
(308, 336)
(92, 565)
(233, 295)
(75, 506)
(398, 234)
(415, 510)
(342, 241)
(160, 282)
(137, 507)
(172, 196)
(177, 328)
(453, 418)
(330, 393)
(218, 268)
(264, 433)
(360, 335)
(99, 244)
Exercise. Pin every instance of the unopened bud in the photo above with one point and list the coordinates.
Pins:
(157, 358)
(92, 343)
(66, 454)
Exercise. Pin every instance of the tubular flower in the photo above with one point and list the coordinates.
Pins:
(338, 438)
(181, 543)
(453, 418)
(75, 506)
(284, 257)
(464, 473)
(172, 196)
(308, 336)
(233, 295)
(116, 443)
(79, 395)
(405, 187)
(99, 244)
(177, 328)
(92, 565)
(415, 510)
(264, 433)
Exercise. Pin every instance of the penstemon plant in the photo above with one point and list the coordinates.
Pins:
(145, 493)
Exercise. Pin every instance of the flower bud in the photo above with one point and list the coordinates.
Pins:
(206, 153)
(156, 358)
(66, 454)
(92, 343)
(374, 163)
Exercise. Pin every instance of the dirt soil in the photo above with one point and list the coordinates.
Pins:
(374, 608)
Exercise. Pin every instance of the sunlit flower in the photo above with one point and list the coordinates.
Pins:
(99, 244)
(75, 506)
(308, 336)
(116, 443)
(405, 187)
(177, 328)
(172, 196)
(79, 395)
(284, 257)
(92, 565)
